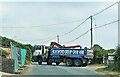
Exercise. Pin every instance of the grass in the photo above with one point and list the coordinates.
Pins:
(108, 72)
(96, 64)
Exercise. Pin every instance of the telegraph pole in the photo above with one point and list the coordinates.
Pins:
(58, 38)
(91, 33)
(118, 23)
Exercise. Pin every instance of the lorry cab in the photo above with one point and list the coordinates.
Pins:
(39, 51)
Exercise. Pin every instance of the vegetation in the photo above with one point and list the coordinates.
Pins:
(113, 70)
(3, 53)
(108, 72)
(5, 42)
(116, 64)
(29, 49)
(99, 52)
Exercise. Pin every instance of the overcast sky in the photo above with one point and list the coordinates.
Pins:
(30, 22)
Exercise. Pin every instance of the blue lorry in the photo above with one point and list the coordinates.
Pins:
(68, 55)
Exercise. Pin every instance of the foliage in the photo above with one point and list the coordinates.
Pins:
(3, 53)
(117, 58)
(99, 52)
(117, 54)
(115, 65)
(29, 49)
(5, 42)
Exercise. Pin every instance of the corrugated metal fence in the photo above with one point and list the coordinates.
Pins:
(19, 56)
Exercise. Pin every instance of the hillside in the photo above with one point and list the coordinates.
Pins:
(5, 43)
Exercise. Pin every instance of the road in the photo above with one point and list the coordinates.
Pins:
(44, 69)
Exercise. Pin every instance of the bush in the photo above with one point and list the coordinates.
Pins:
(115, 65)
(3, 53)
(112, 67)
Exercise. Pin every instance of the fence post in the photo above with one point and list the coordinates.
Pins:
(15, 57)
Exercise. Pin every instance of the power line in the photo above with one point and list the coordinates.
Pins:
(88, 18)
(90, 29)
(43, 25)
(37, 39)
(75, 27)
(65, 22)
(59, 23)
(106, 24)
(49, 40)
(105, 9)
(93, 28)
(12, 27)
(78, 36)
(55, 36)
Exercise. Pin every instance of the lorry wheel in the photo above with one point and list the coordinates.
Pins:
(40, 61)
(57, 63)
(78, 62)
(69, 62)
(49, 62)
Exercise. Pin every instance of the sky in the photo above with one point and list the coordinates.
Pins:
(41, 22)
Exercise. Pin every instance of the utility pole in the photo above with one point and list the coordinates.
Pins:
(58, 38)
(118, 23)
(91, 33)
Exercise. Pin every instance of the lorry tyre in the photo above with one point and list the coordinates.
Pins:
(57, 63)
(40, 61)
(69, 62)
(78, 62)
(49, 62)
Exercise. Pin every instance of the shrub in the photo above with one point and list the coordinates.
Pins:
(115, 65)
(3, 53)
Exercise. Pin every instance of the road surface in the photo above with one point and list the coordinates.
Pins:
(44, 69)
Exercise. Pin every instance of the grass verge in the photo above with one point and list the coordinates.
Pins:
(108, 72)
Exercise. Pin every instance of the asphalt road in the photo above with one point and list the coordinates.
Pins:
(53, 69)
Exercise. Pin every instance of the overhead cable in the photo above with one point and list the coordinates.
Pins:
(105, 9)
(78, 36)
(46, 25)
(75, 27)
(106, 24)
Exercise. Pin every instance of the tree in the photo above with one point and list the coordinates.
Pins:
(99, 52)
(117, 58)
(5, 42)
(3, 53)
(29, 49)
(115, 66)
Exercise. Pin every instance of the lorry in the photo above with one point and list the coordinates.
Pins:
(70, 55)
(39, 50)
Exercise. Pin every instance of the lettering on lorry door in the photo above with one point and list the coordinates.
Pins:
(67, 52)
